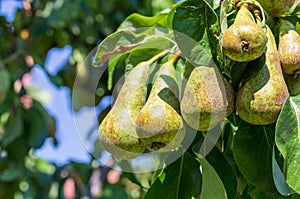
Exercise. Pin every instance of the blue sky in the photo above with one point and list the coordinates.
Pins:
(72, 142)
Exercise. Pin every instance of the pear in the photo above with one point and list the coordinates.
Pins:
(261, 98)
(207, 98)
(117, 131)
(289, 47)
(244, 40)
(158, 124)
(276, 8)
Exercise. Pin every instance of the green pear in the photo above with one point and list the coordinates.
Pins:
(158, 124)
(207, 98)
(261, 98)
(289, 47)
(117, 131)
(276, 8)
(244, 40)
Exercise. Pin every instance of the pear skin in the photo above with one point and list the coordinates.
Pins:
(245, 40)
(158, 124)
(289, 47)
(207, 98)
(260, 99)
(117, 131)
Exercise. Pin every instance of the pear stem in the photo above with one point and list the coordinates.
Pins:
(174, 57)
(263, 22)
(156, 57)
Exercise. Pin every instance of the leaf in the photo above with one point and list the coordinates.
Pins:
(11, 173)
(132, 177)
(117, 43)
(223, 15)
(136, 21)
(252, 151)
(257, 194)
(5, 83)
(168, 95)
(113, 65)
(14, 128)
(253, 67)
(240, 72)
(222, 168)
(37, 128)
(287, 137)
(149, 48)
(179, 180)
(280, 183)
(212, 186)
(235, 71)
(197, 31)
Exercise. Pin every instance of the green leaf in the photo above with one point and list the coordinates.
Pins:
(14, 128)
(253, 67)
(288, 141)
(135, 21)
(7, 189)
(117, 43)
(5, 84)
(235, 71)
(113, 67)
(37, 128)
(149, 48)
(171, 98)
(252, 151)
(280, 183)
(223, 15)
(212, 186)
(197, 31)
(222, 167)
(242, 71)
(257, 194)
(11, 173)
(179, 180)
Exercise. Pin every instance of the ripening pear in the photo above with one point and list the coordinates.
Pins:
(261, 98)
(276, 8)
(207, 99)
(245, 40)
(158, 124)
(289, 47)
(117, 131)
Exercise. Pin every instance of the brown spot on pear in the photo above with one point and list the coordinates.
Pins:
(245, 40)
(207, 98)
(117, 132)
(261, 98)
(289, 47)
(158, 124)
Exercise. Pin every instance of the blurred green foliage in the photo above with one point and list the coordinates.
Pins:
(39, 26)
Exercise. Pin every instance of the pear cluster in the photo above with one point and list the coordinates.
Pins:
(156, 117)
(260, 99)
(137, 122)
